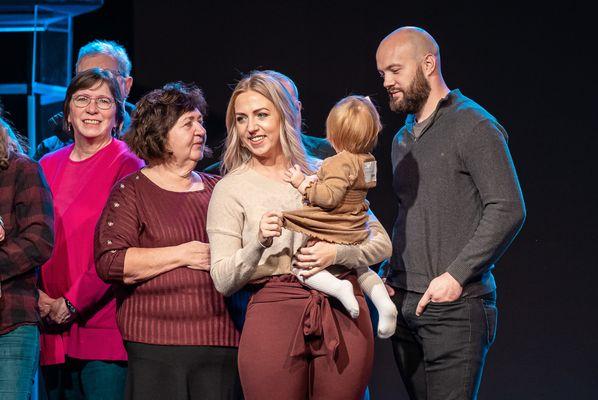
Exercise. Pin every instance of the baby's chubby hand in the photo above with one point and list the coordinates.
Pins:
(294, 176)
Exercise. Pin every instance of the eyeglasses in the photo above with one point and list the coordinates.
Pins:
(103, 103)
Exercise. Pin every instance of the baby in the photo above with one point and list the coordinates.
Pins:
(336, 209)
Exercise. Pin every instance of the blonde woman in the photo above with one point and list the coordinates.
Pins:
(295, 340)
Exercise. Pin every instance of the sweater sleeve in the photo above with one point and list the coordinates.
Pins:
(487, 159)
(334, 177)
(32, 245)
(233, 261)
(117, 230)
(373, 250)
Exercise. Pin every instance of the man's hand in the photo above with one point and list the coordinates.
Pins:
(389, 289)
(315, 257)
(441, 289)
(59, 312)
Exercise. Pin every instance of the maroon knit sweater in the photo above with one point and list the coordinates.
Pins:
(179, 307)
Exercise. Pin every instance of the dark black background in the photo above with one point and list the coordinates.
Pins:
(532, 67)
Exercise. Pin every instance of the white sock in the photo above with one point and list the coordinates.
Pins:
(374, 288)
(340, 289)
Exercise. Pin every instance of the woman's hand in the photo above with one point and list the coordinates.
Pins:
(44, 303)
(2, 233)
(196, 255)
(59, 312)
(315, 257)
(270, 227)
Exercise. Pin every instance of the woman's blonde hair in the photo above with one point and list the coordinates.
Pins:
(9, 143)
(353, 125)
(235, 154)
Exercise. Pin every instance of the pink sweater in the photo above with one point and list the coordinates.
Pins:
(80, 190)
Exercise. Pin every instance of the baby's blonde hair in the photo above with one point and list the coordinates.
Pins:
(353, 125)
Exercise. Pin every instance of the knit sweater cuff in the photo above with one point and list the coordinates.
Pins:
(231, 275)
(460, 272)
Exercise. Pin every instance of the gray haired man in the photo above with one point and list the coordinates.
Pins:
(104, 54)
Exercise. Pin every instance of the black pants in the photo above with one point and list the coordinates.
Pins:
(441, 353)
(182, 372)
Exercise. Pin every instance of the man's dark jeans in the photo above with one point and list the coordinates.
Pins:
(441, 353)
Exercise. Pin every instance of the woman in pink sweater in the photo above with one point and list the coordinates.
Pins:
(82, 353)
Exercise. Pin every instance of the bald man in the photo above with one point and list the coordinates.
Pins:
(459, 208)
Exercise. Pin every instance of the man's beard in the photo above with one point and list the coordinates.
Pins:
(414, 97)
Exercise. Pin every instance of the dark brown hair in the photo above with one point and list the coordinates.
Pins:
(155, 115)
(88, 79)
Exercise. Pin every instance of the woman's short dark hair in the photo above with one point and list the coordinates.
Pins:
(155, 115)
(88, 79)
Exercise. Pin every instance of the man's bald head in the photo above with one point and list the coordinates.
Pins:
(416, 41)
(408, 61)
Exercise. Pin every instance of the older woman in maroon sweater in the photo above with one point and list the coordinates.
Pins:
(151, 239)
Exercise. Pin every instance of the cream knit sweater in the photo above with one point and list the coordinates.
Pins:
(238, 202)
